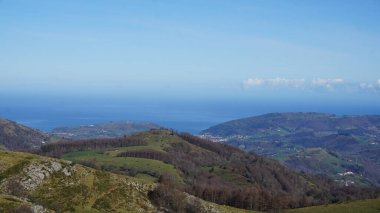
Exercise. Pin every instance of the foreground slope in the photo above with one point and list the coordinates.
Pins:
(32, 183)
(215, 172)
(14, 136)
(345, 147)
(103, 130)
(56, 185)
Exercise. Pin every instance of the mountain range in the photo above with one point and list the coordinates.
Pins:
(159, 170)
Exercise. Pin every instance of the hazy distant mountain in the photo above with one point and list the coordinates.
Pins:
(344, 147)
(15, 136)
(103, 130)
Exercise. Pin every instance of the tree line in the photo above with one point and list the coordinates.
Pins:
(59, 148)
(148, 154)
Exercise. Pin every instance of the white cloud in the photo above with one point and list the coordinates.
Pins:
(370, 85)
(366, 85)
(321, 81)
(273, 82)
(253, 82)
(327, 83)
(286, 82)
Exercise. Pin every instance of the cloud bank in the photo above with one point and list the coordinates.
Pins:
(274, 82)
(328, 84)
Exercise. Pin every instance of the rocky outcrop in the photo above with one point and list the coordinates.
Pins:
(42, 185)
(37, 172)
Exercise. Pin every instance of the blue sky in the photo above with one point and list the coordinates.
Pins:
(222, 49)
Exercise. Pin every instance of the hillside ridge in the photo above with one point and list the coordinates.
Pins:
(346, 148)
(15, 136)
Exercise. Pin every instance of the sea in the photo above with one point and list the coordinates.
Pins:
(190, 116)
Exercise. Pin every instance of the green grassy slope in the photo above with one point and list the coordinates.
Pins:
(137, 166)
(362, 206)
(152, 168)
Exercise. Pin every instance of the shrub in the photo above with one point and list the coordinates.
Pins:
(22, 209)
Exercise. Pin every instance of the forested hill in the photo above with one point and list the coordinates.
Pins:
(212, 171)
(15, 136)
(346, 148)
(290, 123)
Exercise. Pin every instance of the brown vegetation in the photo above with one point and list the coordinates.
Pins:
(59, 148)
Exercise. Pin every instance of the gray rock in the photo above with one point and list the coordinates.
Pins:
(36, 173)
